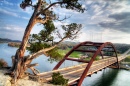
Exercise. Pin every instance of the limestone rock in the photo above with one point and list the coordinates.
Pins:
(4, 79)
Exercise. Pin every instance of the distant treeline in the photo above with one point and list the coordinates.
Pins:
(3, 40)
(121, 48)
(14, 44)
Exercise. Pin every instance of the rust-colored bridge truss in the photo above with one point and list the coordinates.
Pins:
(91, 47)
(77, 73)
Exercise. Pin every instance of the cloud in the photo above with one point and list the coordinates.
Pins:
(13, 14)
(11, 28)
(11, 31)
(25, 18)
(107, 14)
(121, 23)
(8, 12)
(120, 16)
(6, 2)
(115, 36)
(101, 17)
(28, 10)
(106, 35)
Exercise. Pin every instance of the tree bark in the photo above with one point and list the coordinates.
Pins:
(19, 62)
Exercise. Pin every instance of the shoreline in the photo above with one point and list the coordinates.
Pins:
(16, 44)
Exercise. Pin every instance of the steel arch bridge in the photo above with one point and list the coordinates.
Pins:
(99, 46)
(79, 72)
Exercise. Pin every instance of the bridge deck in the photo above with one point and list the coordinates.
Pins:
(74, 73)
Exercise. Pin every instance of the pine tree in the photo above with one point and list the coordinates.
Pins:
(43, 43)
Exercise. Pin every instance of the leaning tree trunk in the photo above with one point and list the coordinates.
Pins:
(19, 62)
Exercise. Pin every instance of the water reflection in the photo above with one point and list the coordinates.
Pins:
(107, 77)
(102, 78)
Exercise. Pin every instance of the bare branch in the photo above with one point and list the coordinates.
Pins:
(59, 35)
(32, 65)
(35, 71)
(26, 3)
(53, 5)
(42, 21)
(63, 18)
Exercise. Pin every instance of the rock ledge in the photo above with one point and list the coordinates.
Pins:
(5, 81)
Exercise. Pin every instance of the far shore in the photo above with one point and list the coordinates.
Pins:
(15, 44)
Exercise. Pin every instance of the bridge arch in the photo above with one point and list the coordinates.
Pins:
(100, 47)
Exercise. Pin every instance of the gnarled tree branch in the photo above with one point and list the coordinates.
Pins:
(43, 51)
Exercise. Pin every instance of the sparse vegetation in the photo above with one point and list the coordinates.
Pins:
(127, 59)
(14, 44)
(3, 63)
(58, 79)
(73, 55)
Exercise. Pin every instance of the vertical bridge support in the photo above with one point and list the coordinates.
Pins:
(100, 47)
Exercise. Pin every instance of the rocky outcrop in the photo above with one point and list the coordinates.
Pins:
(14, 44)
(5, 80)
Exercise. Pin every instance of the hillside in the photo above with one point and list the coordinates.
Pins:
(8, 40)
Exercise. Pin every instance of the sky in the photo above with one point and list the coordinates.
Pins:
(103, 20)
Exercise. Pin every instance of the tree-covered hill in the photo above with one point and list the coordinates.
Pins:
(8, 40)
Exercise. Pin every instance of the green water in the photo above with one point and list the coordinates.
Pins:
(106, 77)
(109, 77)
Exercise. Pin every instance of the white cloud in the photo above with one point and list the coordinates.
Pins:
(7, 3)
(99, 11)
(25, 18)
(115, 36)
(12, 32)
(117, 7)
(13, 28)
(106, 35)
(89, 2)
(8, 12)
(12, 13)
(28, 10)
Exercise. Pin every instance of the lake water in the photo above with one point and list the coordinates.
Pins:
(106, 77)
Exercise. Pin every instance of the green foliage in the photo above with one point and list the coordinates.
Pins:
(97, 58)
(68, 4)
(44, 35)
(34, 47)
(54, 54)
(3, 63)
(127, 59)
(43, 39)
(72, 4)
(58, 79)
(76, 54)
(71, 30)
(73, 55)
(89, 58)
(45, 15)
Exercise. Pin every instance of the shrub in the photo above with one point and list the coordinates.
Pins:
(3, 63)
(57, 79)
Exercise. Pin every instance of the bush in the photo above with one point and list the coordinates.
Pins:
(57, 79)
(3, 63)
